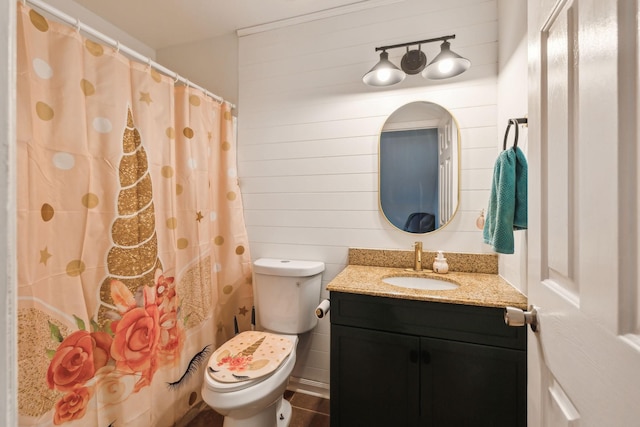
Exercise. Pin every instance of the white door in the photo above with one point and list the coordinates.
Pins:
(584, 363)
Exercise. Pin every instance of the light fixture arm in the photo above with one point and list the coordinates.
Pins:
(419, 42)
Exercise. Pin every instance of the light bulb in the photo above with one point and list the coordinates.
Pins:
(445, 66)
(384, 74)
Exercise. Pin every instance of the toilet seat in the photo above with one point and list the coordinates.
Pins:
(223, 376)
(221, 387)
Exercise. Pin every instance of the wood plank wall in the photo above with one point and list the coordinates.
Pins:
(308, 135)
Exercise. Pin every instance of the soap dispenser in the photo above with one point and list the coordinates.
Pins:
(440, 264)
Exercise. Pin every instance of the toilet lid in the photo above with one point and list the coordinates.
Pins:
(248, 355)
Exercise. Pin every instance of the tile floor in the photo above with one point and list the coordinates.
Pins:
(308, 411)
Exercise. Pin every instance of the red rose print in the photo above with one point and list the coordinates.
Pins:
(136, 339)
(72, 406)
(77, 359)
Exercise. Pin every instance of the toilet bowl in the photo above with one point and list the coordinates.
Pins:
(253, 403)
(286, 293)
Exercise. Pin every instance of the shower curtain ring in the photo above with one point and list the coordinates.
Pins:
(117, 46)
(78, 24)
(176, 79)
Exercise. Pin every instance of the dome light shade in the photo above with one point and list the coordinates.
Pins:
(446, 64)
(384, 73)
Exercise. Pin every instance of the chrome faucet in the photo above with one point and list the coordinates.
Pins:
(417, 261)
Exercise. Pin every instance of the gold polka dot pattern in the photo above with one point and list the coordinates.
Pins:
(44, 111)
(172, 223)
(87, 87)
(171, 133)
(194, 100)
(90, 200)
(95, 49)
(156, 76)
(183, 243)
(188, 132)
(75, 268)
(46, 212)
(167, 171)
(38, 21)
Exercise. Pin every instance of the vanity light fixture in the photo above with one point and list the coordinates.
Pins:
(446, 64)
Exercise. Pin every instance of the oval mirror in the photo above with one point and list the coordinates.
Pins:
(419, 159)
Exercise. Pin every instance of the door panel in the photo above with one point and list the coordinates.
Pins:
(560, 411)
(584, 363)
(557, 46)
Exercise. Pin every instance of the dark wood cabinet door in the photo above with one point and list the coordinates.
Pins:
(475, 385)
(406, 363)
(374, 378)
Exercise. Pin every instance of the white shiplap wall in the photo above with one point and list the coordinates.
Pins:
(308, 135)
(512, 102)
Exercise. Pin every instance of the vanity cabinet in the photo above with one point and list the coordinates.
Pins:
(397, 362)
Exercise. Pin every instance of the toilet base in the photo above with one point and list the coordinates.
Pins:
(276, 415)
(284, 413)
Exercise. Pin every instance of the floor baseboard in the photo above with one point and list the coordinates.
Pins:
(313, 388)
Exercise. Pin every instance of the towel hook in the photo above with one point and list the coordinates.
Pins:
(515, 123)
(506, 135)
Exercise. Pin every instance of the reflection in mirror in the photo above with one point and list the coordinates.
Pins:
(419, 167)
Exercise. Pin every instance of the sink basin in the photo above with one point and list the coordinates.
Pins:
(424, 283)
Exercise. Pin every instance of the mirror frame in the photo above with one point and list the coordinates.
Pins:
(459, 166)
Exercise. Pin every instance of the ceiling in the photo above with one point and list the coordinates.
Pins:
(165, 23)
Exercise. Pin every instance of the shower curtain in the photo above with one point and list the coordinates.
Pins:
(132, 251)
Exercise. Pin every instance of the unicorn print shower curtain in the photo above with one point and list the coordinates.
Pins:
(132, 253)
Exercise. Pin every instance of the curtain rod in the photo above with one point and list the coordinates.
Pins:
(120, 47)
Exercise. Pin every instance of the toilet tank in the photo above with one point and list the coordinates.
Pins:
(286, 294)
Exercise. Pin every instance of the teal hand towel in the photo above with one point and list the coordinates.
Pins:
(507, 209)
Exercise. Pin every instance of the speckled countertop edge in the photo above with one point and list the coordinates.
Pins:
(479, 289)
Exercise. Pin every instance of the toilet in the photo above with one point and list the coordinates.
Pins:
(246, 377)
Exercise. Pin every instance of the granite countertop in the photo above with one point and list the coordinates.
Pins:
(479, 289)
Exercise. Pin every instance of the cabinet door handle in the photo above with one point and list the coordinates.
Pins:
(426, 357)
(413, 356)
